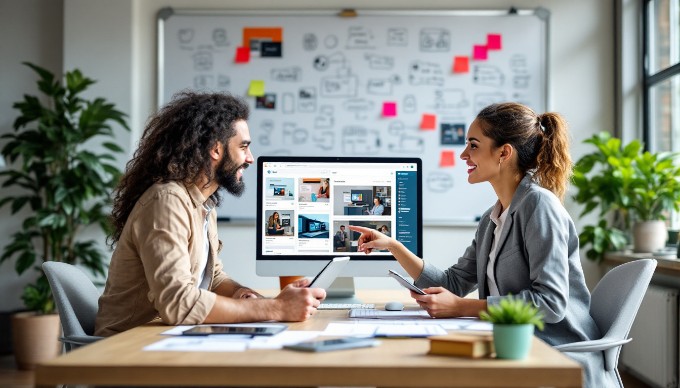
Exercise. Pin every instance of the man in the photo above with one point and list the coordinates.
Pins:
(165, 263)
(340, 237)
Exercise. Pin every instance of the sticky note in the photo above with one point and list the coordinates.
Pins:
(461, 64)
(428, 121)
(479, 53)
(447, 159)
(242, 55)
(256, 88)
(493, 41)
(389, 109)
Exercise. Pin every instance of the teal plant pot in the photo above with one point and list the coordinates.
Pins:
(512, 341)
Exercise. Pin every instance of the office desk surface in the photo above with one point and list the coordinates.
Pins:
(120, 360)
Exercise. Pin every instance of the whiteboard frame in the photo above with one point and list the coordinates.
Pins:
(165, 13)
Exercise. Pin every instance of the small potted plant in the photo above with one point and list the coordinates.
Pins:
(633, 191)
(513, 326)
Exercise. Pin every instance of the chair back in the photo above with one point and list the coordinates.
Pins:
(76, 298)
(615, 301)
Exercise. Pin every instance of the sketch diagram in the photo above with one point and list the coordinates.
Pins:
(488, 75)
(219, 37)
(425, 73)
(439, 182)
(325, 118)
(381, 87)
(521, 81)
(357, 140)
(330, 42)
(360, 37)
(288, 74)
(360, 107)
(307, 100)
(339, 86)
(397, 36)
(288, 103)
(409, 104)
(450, 99)
(324, 140)
(203, 61)
(379, 62)
(435, 39)
(518, 65)
(402, 142)
(484, 99)
(223, 82)
(309, 41)
(292, 135)
(266, 128)
(185, 35)
(203, 81)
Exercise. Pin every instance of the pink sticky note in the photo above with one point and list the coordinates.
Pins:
(461, 64)
(479, 52)
(493, 41)
(428, 121)
(447, 159)
(242, 55)
(389, 109)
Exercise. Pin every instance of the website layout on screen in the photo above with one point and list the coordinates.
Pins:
(308, 206)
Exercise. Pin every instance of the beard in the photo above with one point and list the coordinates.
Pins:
(226, 175)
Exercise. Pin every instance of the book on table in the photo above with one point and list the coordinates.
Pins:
(473, 346)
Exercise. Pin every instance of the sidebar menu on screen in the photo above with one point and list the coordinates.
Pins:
(407, 206)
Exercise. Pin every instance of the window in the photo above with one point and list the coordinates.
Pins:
(661, 64)
(661, 78)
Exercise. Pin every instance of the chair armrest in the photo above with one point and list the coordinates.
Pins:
(592, 345)
(80, 339)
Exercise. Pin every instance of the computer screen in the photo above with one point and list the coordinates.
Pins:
(317, 227)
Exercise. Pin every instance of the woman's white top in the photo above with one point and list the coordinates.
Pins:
(499, 220)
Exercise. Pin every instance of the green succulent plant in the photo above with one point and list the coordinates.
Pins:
(513, 311)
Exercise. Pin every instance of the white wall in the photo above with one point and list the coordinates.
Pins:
(115, 43)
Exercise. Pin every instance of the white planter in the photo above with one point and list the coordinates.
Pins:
(649, 236)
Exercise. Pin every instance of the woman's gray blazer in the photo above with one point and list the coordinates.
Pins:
(537, 260)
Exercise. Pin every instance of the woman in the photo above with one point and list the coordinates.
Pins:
(525, 245)
(384, 230)
(324, 189)
(378, 208)
(274, 225)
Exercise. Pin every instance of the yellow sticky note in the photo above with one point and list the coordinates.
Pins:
(256, 88)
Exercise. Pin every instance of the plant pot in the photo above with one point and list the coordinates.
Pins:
(649, 236)
(512, 341)
(35, 338)
(286, 280)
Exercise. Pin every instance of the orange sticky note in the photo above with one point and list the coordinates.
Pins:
(479, 52)
(447, 159)
(242, 55)
(493, 41)
(389, 109)
(461, 64)
(428, 121)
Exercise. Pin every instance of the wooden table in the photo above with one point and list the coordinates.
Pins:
(119, 360)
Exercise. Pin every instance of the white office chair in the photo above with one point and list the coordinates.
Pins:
(614, 303)
(76, 299)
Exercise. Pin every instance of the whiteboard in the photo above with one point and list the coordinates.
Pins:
(382, 83)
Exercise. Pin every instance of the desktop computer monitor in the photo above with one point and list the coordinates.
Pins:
(322, 231)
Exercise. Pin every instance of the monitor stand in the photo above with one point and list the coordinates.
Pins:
(341, 291)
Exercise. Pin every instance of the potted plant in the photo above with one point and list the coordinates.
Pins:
(630, 188)
(513, 326)
(64, 184)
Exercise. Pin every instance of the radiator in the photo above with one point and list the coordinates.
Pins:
(652, 356)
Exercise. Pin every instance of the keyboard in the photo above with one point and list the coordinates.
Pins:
(345, 306)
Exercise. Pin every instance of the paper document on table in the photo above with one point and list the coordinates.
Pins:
(390, 329)
(383, 314)
(200, 344)
(465, 324)
(287, 337)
